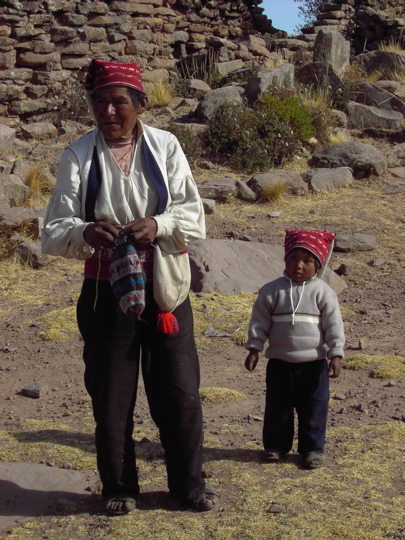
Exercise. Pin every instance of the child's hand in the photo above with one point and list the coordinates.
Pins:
(251, 360)
(334, 367)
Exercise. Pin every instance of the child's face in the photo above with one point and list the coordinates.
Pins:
(300, 264)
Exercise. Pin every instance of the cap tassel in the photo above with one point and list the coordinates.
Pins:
(167, 323)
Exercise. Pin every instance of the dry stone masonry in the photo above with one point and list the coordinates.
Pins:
(366, 27)
(44, 43)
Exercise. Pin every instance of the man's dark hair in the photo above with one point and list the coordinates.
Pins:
(136, 97)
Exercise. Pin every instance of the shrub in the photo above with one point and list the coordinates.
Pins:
(250, 139)
(190, 142)
(320, 103)
(290, 111)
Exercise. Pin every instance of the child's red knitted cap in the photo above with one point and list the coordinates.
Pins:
(317, 242)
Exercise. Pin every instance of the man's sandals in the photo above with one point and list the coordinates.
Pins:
(120, 505)
(205, 502)
(312, 460)
(273, 455)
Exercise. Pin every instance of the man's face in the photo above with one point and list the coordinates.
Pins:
(115, 112)
(300, 265)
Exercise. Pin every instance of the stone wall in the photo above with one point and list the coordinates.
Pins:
(366, 27)
(43, 44)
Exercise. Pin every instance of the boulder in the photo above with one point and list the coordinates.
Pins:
(244, 192)
(354, 242)
(262, 81)
(292, 180)
(380, 61)
(39, 130)
(328, 179)
(318, 75)
(30, 252)
(211, 102)
(218, 189)
(7, 137)
(235, 266)
(362, 158)
(199, 88)
(12, 190)
(209, 206)
(364, 116)
(396, 155)
(375, 96)
(16, 216)
(333, 48)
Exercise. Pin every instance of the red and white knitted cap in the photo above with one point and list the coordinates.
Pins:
(317, 242)
(102, 74)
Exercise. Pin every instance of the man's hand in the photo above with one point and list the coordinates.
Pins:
(251, 360)
(334, 367)
(100, 235)
(141, 232)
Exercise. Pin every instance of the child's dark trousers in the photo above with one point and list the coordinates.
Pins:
(305, 388)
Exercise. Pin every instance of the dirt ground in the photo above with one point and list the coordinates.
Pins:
(357, 399)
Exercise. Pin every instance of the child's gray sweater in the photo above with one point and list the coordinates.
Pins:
(298, 319)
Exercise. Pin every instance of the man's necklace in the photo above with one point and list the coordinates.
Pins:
(123, 153)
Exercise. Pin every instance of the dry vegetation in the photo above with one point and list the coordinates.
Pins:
(335, 502)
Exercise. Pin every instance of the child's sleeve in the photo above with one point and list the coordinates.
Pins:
(332, 326)
(260, 323)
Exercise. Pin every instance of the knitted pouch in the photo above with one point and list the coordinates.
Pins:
(127, 278)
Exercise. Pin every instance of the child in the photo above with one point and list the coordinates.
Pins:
(298, 313)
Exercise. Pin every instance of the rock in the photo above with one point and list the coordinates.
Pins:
(31, 253)
(292, 180)
(12, 190)
(362, 344)
(199, 88)
(210, 331)
(318, 75)
(35, 390)
(256, 46)
(218, 189)
(364, 159)
(282, 76)
(211, 102)
(225, 266)
(331, 47)
(370, 94)
(339, 118)
(17, 215)
(39, 130)
(328, 179)
(343, 270)
(276, 509)
(339, 397)
(396, 155)
(365, 116)
(376, 262)
(209, 206)
(244, 192)
(354, 242)
(380, 62)
(7, 137)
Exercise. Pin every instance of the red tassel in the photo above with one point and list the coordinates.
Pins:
(167, 322)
